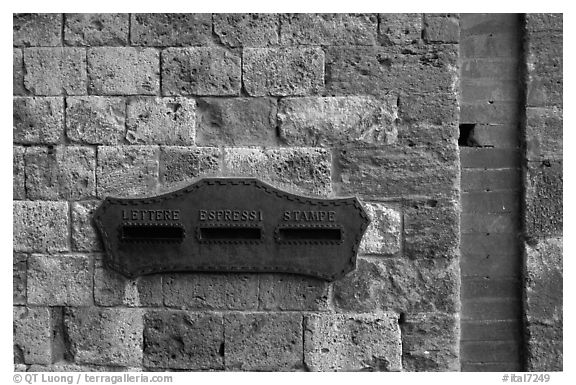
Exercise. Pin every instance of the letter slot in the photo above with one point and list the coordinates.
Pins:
(307, 234)
(229, 234)
(151, 233)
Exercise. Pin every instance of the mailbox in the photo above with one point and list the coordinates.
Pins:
(231, 225)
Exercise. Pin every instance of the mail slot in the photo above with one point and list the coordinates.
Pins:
(231, 225)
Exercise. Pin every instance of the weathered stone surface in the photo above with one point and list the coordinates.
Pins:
(441, 29)
(202, 71)
(379, 70)
(263, 341)
(104, 336)
(180, 166)
(431, 229)
(171, 29)
(545, 69)
(437, 109)
(95, 119)
(127, 170)
(246, 29)
(430, 342)
(123, 71)
(32, 335)
(544, 133)
(40, 226)
(19, 271)
(94, 29)
(292, 292)
(183, 340)
(55, 71)
(397, 171)
(37, 29)
(538, 22)
(400, 285)
(544, 280)
(62, 280)
(113, 289)
(302, 170)
(211, 291)
(38, 120)
(283, 71)
(18, 72)
(328, 29)
(399, 28)
(383, 236)
(61, 172)
(543, 191)
(353, 342)
(84, 235)
(18, 187)
(62, 366)
(545, 346)
(236, 122)
(152, 120)
(333, 121)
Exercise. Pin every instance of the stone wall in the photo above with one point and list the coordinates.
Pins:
(543, 181)
(323, 105)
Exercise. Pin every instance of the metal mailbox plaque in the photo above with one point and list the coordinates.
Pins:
(231, 225)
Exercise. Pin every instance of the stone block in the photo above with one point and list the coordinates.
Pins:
(431, 229)
(123, 71)
(427, 69)
(480, 180)
(171, 29)
(436, 109)
(64, 280)
(430, 342)
(32, 335)
(95, 119)
(441, 29)
(301, 170)
(18, 72)
(19, 271)
(384, 235)
(55, 71)
(211, 291)
(543, 213)
(96, 29)
(328, 29)
(545, 346)
(399, 28)
(153, 120)
(236, 122)
(283, 71)
(40, 226)
(18, 186)
(292, 292)
(545, 69)
(38, 120)
(263, 341)
(247, 29)
(544, 133)
(352, 342)
(201, 71)
(400, 285)
(491, 44)
(337, 121)
(127, 170)
(62, 172)
(539, 22)
(37, 29)
(180, 166)
(544, 277)
(490, 113)
(104, 336)
(84, 235)
(397, 171)
(113, 289)
(183, 340)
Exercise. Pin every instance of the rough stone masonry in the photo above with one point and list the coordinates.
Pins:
(325, 105)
